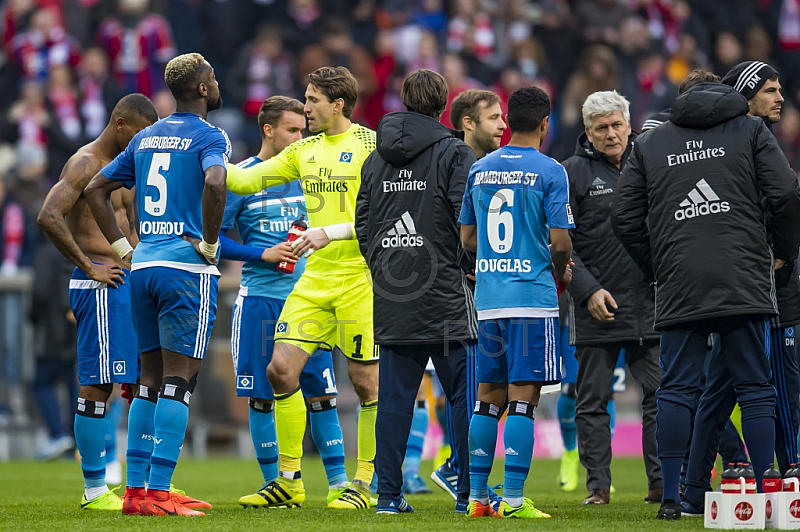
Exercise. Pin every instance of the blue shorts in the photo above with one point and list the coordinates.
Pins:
(569, 364)
(173, 309)
(518, 350)
(252, 341)
(106, 338)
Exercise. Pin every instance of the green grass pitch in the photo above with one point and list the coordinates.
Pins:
(36, 496)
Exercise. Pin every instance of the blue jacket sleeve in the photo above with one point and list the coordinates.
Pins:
(232, 250)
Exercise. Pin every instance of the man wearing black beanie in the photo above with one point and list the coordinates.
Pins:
(758, 83)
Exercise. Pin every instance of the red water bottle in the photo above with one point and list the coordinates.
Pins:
(298, 226)
(771, 481)
(790, 480)
(749, 478)
(732, 481)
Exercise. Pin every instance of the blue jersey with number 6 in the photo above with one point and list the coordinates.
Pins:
(514, 196)
(167, 162)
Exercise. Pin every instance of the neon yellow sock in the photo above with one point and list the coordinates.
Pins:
(290, 423)
(366, 441)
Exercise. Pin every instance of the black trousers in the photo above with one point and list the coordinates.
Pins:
(401, 370)
(719, 398)
(596, 365)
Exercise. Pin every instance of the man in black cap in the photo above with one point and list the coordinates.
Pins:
(758, 83)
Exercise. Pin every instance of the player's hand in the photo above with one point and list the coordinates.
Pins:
(567, 277)
(280, 253)
(779, 264)
(310, 241)
(196, 243)
(111, 275)
(471, 275)
(597, 305)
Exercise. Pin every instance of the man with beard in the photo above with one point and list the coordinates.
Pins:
(178, 168)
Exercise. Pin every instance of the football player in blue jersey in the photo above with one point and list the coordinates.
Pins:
(263, 220)
(516, 200)
(178, 168)
(99, 297)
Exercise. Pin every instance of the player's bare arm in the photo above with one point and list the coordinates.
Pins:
(127, 198)
(64, 204)
(469, 237)
(214, 197)
(560, 251)
(98, 196)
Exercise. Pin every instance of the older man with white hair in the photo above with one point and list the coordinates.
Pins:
(611, 305)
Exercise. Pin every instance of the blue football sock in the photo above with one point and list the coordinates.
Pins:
(265, 439)
(90, 428)
(113, 412)
(141, 423)
(172, 416)
(612, 416)
(416, 439)
(671, 468)
(673, 434)
(327, 435)
(759, 435)
(482, 441)
(518, 441)
(566, 417)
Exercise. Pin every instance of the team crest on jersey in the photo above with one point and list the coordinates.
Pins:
(244, 382)
(282, 327)
(346, 157)
(119, 367)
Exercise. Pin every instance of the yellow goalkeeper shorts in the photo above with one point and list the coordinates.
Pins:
(327, 310)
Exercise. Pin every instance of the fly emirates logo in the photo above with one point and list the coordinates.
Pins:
(695, 152)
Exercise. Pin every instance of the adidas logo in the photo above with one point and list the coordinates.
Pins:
(311, 160)
(511, 452)
(598, 182)
(403, 235)
(701, 201)
(479, 452)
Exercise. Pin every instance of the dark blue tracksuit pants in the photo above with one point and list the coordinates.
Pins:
(472, 397)
(401, 370)
(743, 347)
(719, 399)
(726, 441)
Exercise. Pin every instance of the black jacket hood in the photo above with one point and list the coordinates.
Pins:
(707, 105)
(398, 147)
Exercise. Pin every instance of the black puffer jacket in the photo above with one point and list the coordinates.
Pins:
(600, 260)
(688, 208)
(412, 186)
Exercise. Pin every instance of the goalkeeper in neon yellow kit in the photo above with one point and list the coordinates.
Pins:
(331, 304)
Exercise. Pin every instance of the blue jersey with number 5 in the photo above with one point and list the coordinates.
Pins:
(514, 196)
(167, 163)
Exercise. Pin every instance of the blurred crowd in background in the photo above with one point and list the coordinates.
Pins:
(65, 63)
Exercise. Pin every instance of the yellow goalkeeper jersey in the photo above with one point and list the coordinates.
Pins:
(330, 169)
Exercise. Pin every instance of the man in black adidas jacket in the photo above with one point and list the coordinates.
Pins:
(611, 306)
(411, 190)
(688, 210)
(758, 83)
